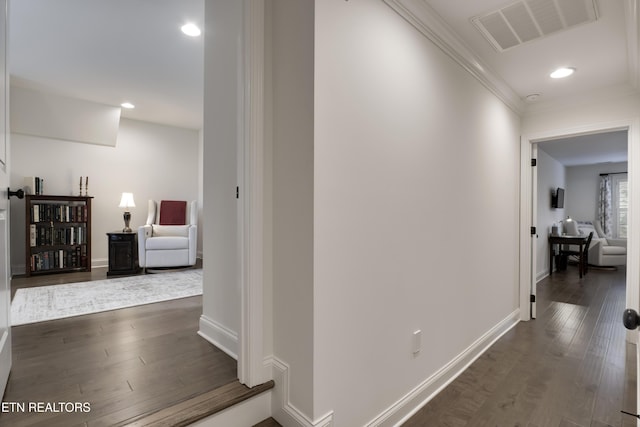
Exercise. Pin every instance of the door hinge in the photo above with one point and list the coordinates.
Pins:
(532, 298)
(533, 230)
(237, 192)
(534, 162)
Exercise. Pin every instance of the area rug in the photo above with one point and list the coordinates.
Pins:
(38, 304)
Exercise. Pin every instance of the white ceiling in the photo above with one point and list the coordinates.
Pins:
(588, 149)
(598, 50)
(111, 51)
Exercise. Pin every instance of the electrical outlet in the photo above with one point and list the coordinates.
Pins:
(417, 342)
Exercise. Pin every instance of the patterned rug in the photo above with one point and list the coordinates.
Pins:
(32, 305)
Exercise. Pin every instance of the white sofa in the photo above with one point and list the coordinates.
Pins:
(174, 245)
(604, 251)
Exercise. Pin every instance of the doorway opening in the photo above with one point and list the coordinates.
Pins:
(570, 175)
(530, 196)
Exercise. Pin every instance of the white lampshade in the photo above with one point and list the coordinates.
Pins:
(127, 201)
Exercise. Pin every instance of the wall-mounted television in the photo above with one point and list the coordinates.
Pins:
(557, 198)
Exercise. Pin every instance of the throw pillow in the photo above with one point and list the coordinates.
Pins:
(173, 212)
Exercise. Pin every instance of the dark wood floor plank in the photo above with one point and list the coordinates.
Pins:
(570, 367)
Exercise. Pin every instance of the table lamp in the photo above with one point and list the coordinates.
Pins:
(127, 202)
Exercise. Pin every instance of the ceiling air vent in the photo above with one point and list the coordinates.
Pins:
(527, 20)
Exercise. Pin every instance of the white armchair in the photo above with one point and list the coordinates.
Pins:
(604, 251)
(169, 237)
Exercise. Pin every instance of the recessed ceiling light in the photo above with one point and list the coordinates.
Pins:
(127, 105)
(191, 30)
(562, 72)
(532, 97)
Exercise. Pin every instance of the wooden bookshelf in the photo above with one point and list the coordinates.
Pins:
(58, 234)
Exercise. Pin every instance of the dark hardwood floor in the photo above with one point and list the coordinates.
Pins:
(571, 367)
(123, 363)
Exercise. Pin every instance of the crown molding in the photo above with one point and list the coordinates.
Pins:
(632, 14)
(419, 14)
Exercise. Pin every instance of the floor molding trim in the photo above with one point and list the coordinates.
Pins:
(282, 408)
(247, 413)
(543, 275)
(407, 406)
(219, 335)
(99, 262)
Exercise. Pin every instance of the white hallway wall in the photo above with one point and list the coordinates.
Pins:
(152, 161)
(377, 272)
(387, 212)
(415, 210)
(293, 209)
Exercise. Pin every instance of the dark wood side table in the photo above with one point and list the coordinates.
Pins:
(123, 253)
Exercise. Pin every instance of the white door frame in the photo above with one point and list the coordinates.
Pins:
(251, 367)
(526, 202)
(5, 282)
(534, 237)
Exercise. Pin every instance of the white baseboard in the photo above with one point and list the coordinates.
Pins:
(542, 275)
(219, 335)
(247, 413)
(404, 408)
(288, 415)
(282, 410)
(99, 262)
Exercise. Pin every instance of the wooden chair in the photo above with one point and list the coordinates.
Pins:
(583, 264)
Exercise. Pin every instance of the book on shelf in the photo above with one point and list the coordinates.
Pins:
(73, 258)
(43, 234)
(33, 185)
(32, 234)
(58, 212)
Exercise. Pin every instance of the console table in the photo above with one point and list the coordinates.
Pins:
(123, 253)
(567, 240)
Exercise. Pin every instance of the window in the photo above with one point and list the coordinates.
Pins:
(620, 204)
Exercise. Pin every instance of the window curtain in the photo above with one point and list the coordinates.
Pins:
(605, 210)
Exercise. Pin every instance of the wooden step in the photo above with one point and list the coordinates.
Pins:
(199, 407)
